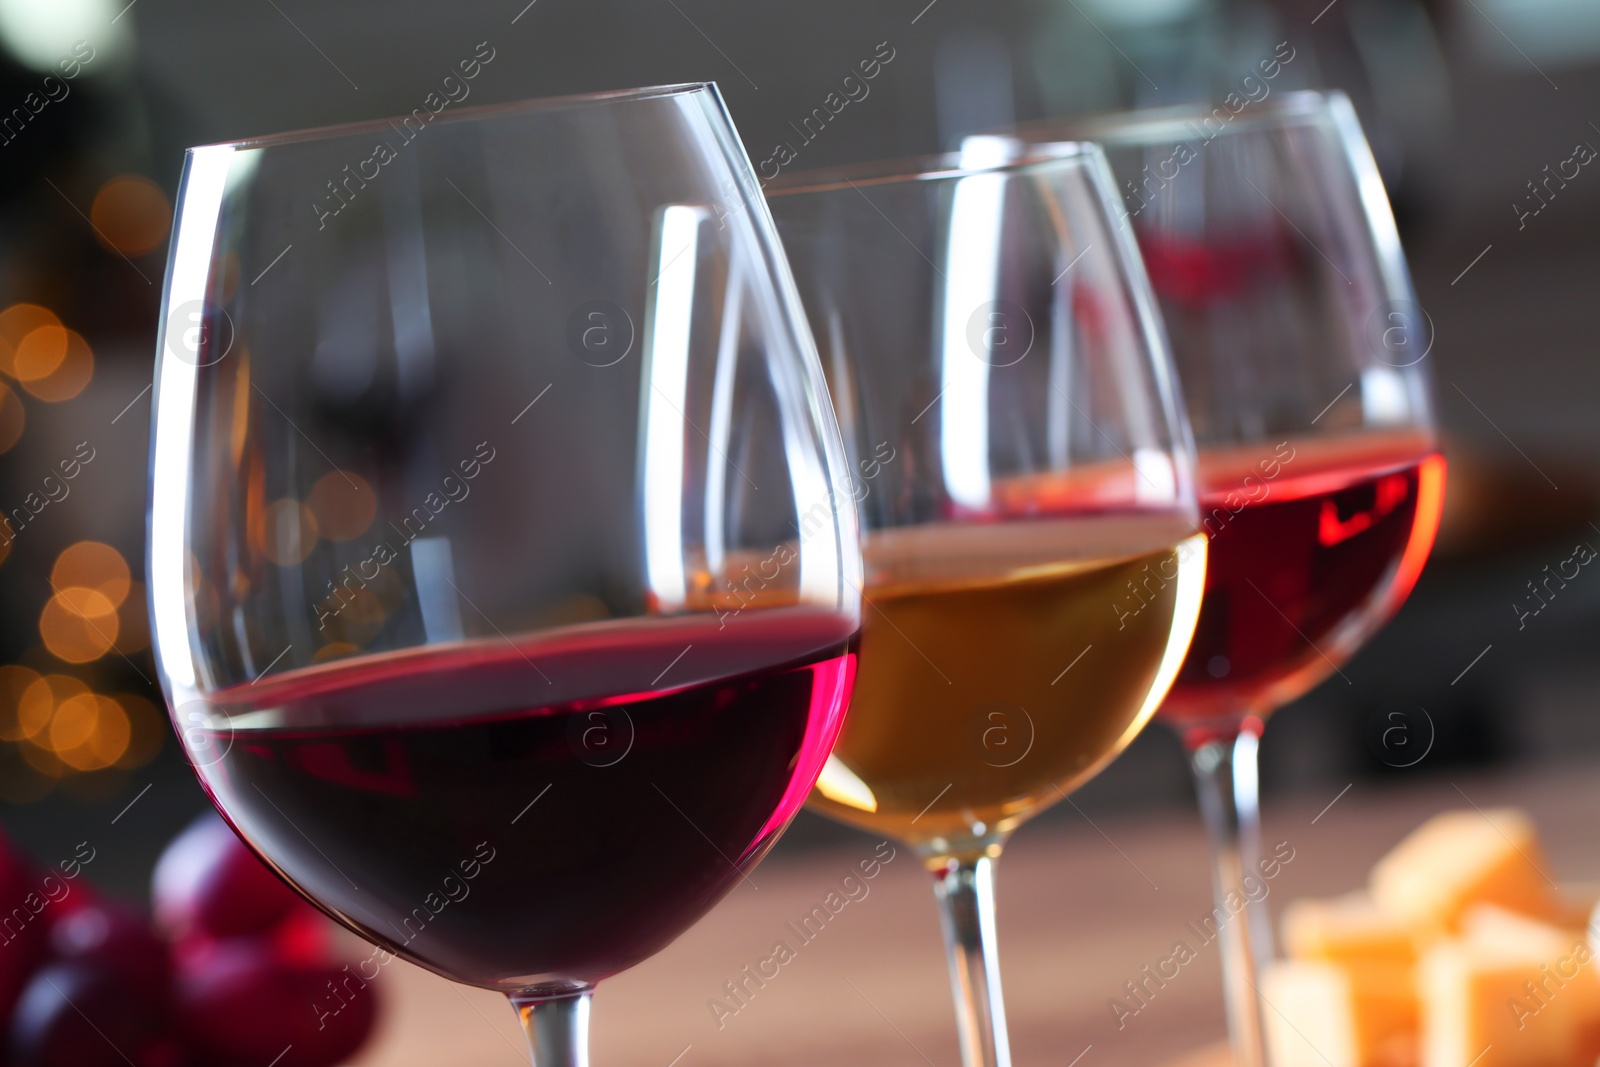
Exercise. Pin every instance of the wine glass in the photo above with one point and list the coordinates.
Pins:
(1033, 567)
(1302, 350)
(502, 589)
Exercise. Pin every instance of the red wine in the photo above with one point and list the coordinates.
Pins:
(1309, 554)
(535, 815)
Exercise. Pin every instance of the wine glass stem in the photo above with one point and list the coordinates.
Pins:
(557, 1027)
(1225, 778)
(965, 888)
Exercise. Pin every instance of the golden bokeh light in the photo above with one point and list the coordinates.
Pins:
(334, 650)
(16, 323)
(69, 377)
(39, 353)
(93, 565)
(12, 417)
(147, 730)
(290, 532)
(131, 215)
(89, 732)
(60, 725)
(37, 705)
(344, 505)
(14, 682)
(34, 709)
(112, 734)
(73, 723)
(79, 624)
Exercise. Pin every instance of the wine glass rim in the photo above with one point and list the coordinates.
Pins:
(530, 105)
(943, 166)
(1176, 122)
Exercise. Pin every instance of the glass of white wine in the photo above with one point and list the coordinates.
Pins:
(1024, 476)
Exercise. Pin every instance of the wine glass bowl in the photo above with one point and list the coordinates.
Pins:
(1032, 570)
(459, 473)
(1303, 354)
(1302, 351)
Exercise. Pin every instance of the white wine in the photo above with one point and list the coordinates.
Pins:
(997, 672)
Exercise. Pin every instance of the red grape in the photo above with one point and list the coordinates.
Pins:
(208, 882)
(23, 932)
(84, 1015)
(117, 939)
(303, 936)
(241, 1002)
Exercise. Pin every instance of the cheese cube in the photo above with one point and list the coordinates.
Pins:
(1350, 928)
(1481, 1007)
(1567, 969)
(1462, 858)
(1323, 1014)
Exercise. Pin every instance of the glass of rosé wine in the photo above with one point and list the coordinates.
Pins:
(1302, 351)
(503, 562)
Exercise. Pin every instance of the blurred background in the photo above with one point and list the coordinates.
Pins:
(1470, 106)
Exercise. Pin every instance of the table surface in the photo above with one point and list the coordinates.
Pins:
(1084, 906)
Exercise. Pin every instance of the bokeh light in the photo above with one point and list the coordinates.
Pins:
(35, 710)
(79, 624)
(73, 722)
(289, 533)
(14, 682)
(69, 377)
(39, 699)
(89, 732)
(344, 505)
(39, 353)
(147, 730)
(16, 323)
(93, 565)
(39, 35)
(131, 215)
(59, 725)
(12, 418)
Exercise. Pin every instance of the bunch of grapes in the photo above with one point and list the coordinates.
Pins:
(233, 971)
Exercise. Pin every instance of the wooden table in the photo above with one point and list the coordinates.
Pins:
(1084, 907)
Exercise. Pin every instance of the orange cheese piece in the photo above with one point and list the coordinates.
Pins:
(1350, 928)
(1481, 1007)
(1325, 1014)
(1461, 858)
(1567, 969)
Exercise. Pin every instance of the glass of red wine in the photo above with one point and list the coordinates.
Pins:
(1302, 352)
(503, 561)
